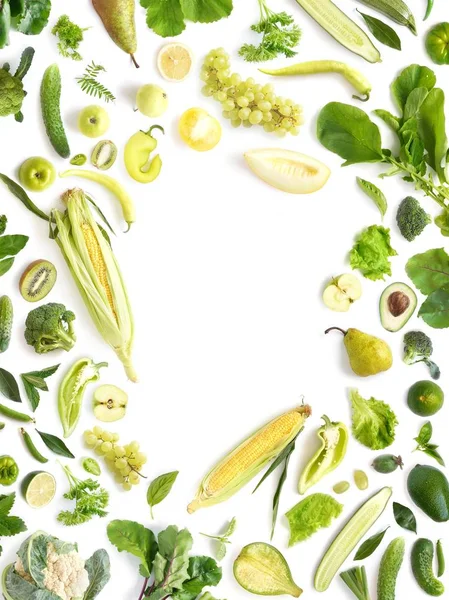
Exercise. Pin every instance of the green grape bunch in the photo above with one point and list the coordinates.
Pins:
(246, 102)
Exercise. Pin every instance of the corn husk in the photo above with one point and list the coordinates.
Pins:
(97, 275)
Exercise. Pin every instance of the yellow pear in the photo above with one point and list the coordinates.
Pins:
(118, 20)
(368, 355)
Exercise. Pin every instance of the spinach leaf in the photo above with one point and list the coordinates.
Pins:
(34, 17)
(429, 271)
(160, 488)
(373, 192)
(404, 517)
(131, 537)
(435, 309)
(10, 245)
(55, 444)
(349, 132)
(432, 129)
(98, 568)
(370, 545)
(5, 265)
(410, 78)
(8, 386)
(382, 32)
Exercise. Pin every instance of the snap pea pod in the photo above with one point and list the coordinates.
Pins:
(16, 415)
(354, 77)
(31, 447)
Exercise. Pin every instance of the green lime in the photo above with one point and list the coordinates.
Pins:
(39, 488)
(425, 398)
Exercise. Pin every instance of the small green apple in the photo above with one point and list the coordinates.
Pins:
(151, 100)
(37, 174)
(93, 121)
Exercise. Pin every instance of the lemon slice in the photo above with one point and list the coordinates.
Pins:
(39, 488)
(174, 61)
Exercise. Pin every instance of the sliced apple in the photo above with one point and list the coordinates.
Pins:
(287, 170)
(110, 403)
(341, 292)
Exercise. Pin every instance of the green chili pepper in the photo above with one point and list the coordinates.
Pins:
(31, 447)
(137, 156)
(14, 414)
(430, 4)
(440, 559)
(334, 441)
(9, 471)
(71, 391)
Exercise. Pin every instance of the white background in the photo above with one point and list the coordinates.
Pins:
(225, 276)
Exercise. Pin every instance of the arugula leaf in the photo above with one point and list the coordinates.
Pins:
(429, 271)
(165, 17)
(8, 386)
(134, 538)
(160, 488)
(171, 563)
(413, 76)
(34, 17)
(348, 131)
(404, 517)
(206, 11)
(373, 421)
(98, 568)
(370, 545)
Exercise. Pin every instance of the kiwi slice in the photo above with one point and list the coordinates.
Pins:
(37, 280)
(104, 155)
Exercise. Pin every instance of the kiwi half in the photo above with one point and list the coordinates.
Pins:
(37, 280)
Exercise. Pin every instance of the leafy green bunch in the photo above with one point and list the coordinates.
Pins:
(165, 564)
(90, 500)
(421, 156)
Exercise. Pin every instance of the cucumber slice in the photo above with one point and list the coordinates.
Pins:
(349, 537)
(341, 27)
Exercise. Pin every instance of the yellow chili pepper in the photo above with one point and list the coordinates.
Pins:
(138, 150)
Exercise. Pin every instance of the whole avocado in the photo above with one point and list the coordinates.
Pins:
(429, 490)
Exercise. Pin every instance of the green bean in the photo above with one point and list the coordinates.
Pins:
(31, 447)
(354, 77)
(14, 414)
(440, 559)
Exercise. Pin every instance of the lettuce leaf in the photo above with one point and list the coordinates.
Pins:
(370, 254)
(373, 421)
(311, 514)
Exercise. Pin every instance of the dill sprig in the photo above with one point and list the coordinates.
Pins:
(89, 83)
(280, 35)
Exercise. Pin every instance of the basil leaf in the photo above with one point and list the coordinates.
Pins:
(404, 517)
(373, 192)
(425, 433)
(382, 32)
(410, 78)
(20, 193)
(433, 453)
(55, 444)
(5, 265)
(160, 488)
(370, 545)
(8, 386)
(435, 309)
(348, 131)
(32, 394)
(429, 271)
(10, 245)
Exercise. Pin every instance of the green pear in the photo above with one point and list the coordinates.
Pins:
(368, 355)
(119, 22)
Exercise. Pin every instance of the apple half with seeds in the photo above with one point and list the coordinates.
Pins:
(110, 403)
(341, 292)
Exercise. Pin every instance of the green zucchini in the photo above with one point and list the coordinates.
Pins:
(6, 316)
(341, 28)
(389, 569)
(396, 10)
(348, 538)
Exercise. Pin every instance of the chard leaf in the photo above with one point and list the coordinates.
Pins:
(435, 309)
(404, 517)
(171, 563)
(429, 271)
(8, 386)
(203, 572)
(134, 538)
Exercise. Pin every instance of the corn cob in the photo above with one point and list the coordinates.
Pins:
(97, 275)
(249, 458)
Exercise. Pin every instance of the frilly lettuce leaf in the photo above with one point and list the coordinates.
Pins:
(373, 421)
(371, 252)
(311, 514)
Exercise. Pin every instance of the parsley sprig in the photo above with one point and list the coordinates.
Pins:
(90, 500)
(70, 36)
(280, 35)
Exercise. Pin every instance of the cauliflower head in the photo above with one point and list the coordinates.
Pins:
(11, 94)
(65, 574)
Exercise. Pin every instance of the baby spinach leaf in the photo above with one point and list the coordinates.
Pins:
(382, 32)
(370, 545)
(404, 517)
(429, 271)
(411, 77)
(55, 444)
(34, 17)
(8, 386)
(134, 538)
(98, 568)
(373, 192)
(348, 131)
(10, 245)
(435, 309)
(160, 488)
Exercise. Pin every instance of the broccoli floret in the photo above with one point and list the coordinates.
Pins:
(11, 95)
(50, 327)
(418, 348)
(411, 218)
(3, 223)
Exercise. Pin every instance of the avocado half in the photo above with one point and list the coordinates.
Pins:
(397, 304)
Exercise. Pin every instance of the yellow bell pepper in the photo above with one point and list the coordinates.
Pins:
(138, 150)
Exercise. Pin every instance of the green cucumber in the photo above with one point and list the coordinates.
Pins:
(348, 538)
(389, 569)
(396, 10)
(51, 113)
(6, 317)
(422, 561)
(5, 22)
(341, 28)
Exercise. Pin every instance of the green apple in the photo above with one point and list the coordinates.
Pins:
(109, 403)
(93, 121)
(151, 100)
(341, 292)
(37, 174)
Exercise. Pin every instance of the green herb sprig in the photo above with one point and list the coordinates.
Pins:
(424, 445)
(9, 525)
(90, 500)
(35, 381)
(89, 83)
(70, 37)
(223, 539)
